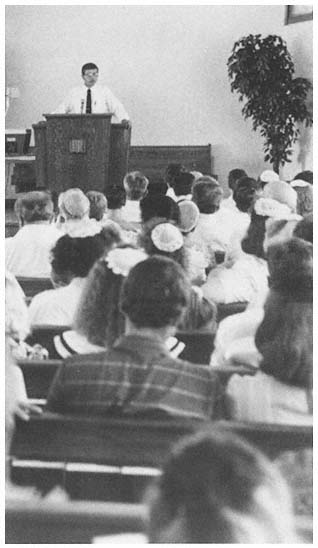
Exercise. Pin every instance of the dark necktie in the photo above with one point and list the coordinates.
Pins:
(89, 102)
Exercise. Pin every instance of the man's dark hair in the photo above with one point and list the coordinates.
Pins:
(207, 195)
(183, 183)
(158, 188)
(159, 206)
(89, 66)
(77, 255)
(245, 193)
(34, 206)
(116, 197)
(172, 171)
(156, 293)
(234, 176)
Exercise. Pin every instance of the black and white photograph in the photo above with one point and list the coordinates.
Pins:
(158, 273)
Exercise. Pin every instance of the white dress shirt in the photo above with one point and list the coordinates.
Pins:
(131, 211)
(262, 398)
(103, 101)
(246, 280)
(56, 306)
(28, 251)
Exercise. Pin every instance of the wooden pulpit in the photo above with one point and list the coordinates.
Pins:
(80, 150)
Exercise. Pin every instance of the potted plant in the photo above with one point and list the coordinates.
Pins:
(261, 71)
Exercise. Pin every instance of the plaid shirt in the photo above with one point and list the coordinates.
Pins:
(136, 374)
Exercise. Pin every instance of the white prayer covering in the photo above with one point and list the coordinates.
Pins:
(28, 251)
(103, 101)
(56, 306)
(262, 398)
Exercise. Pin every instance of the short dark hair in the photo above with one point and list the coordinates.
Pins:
(245, 193)
(98, 204)
(135, 184)
(89, 66)
(76, 255)
(234, 175)
(156, 293)
(207, 194)
(34, 206)
(172, 171)
(306, 175)
(183, 183)
(305, 199)
(304, 229)
(158, 188)
(284, 338)
(208, 477)
(159, 206)
(116, 197)
(253, 242)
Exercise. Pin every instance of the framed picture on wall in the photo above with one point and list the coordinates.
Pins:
(296, 14)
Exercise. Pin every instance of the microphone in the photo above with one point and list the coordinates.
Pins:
(82, 106)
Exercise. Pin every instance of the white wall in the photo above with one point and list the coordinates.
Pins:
(166, 63)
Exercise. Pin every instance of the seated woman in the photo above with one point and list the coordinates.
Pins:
(162, 238)
(73, 218)
(72, 259)
(98, 321)
(281, 391)
(28, 252)
(215, 489)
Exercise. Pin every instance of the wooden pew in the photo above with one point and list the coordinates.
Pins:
(123, 447)
(33, 286)
(228, 309)
(41, 522)
(153, 160)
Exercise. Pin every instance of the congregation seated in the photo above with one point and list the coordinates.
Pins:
(216, 488)
(281, 391)
(233, 177)
(234, 341)
(73, 217)
(72, 259)
(161, 238)
(28, 252)
(246, 279)
(138, 373)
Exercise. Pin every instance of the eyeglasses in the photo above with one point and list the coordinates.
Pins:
(89, 74)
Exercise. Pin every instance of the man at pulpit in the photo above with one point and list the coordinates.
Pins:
(93, 98)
